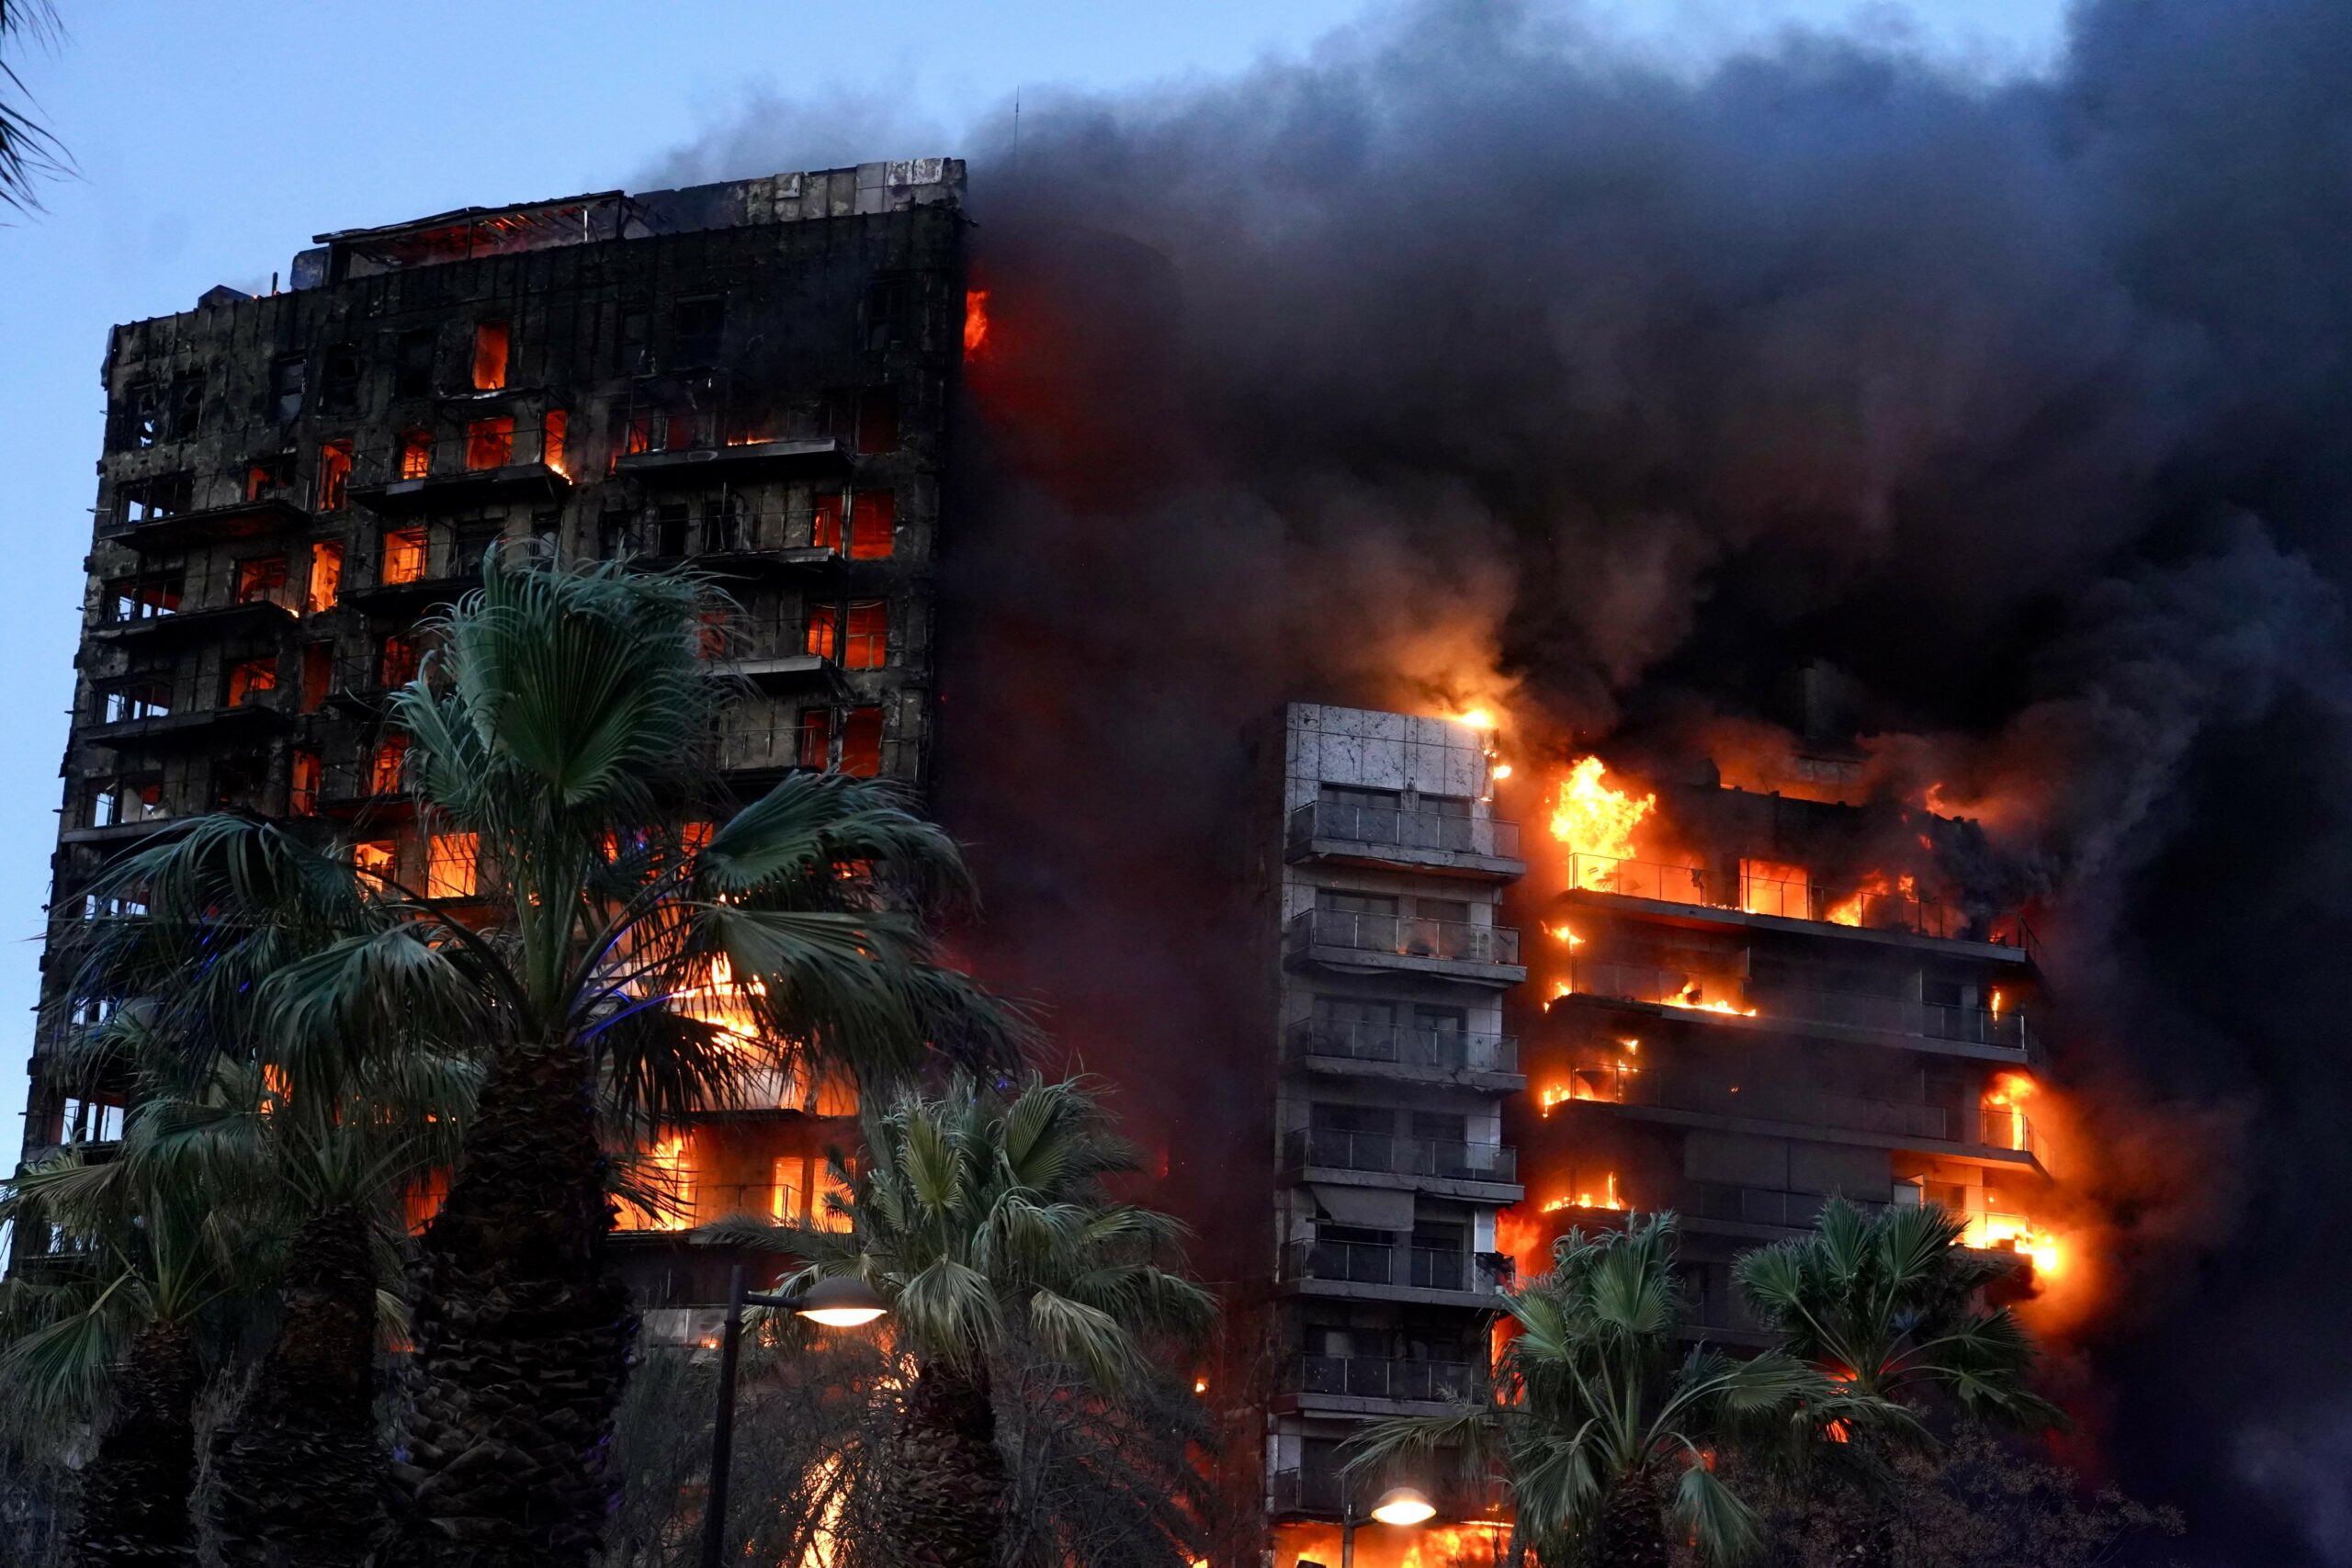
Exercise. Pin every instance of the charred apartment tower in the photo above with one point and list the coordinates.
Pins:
(751, 378)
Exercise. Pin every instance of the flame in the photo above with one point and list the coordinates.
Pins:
(976, 321)
(1501, 771)
(1555, 1095)
(2005, 1102)
(1992, 1233)
(1593, 819)
(1562, 933)
(1771, 888)
(1429, 1546)
(1688, 997)
(1609, 1198)
(1850, 911)
(1521, 1239)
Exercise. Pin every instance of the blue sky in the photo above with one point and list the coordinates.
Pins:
(213, 140)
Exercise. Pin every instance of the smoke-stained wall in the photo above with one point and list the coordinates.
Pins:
(1465, 362)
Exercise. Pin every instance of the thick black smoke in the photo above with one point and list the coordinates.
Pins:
(1465, 359)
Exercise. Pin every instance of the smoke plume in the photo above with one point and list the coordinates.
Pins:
(1466, 360)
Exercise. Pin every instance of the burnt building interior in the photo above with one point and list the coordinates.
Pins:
(750, 379)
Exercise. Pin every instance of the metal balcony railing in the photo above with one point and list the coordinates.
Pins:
(1798, 1004)
(1373, 1263)
(1383, 1377)
(1445, 1050)
(143, 705)
(1404, 936)
(1385, 827)
(727, 520)
(1757, 1098)
(1439, 1159)
(705, 1203)
(1862, 909)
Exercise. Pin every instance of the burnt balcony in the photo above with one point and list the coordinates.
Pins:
(492, 457)
(1374, 1269)
(251, 598)
(1463, 950)
(1425, 840)
(693, 425)
(733, 457)
(1757, 1097)
(696, 1204)
(774, 650)
(1415, 1159)
(169, 513)
(1443, 1055)
(747, 535)
(2002, 1034)
(1866, 909)
(158, 716)
(1386, 1380)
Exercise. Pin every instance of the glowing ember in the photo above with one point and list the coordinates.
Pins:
(1595, 820)
(1502, 771)
(976, 321)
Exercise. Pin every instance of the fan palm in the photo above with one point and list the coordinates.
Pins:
(312, 1142)
(1605, 1428)
(555, 732)
(1889, 1306)
(983, 1221)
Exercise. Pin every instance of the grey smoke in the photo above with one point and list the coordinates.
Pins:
(1464, 343)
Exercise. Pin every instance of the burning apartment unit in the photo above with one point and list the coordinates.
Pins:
(751, 379)
(1391, 1167)
(1756, 1000)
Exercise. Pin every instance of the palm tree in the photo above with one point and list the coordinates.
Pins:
(983, 1221)
(609, 940)
(1890, 1306)
(28, 152)
(107, 1328)
(312, 1147)
(1606, 1431)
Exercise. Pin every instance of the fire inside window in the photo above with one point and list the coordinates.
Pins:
(248, 677)
(265, 475)
(862, 742)
(790, 1190)
(384, 765)
(262, 581)
(873, 524)
(375, 859)
(451, 865)
(335, 475)
(551, 433)
(404, 556)
(317, 675)
(490, 444)
(489, 355)
(396, 660)
(816, 745)
(414, 459)
(302, 783)
(326, 576)
(866, 642)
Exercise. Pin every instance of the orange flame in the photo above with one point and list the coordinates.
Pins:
(2004, 1108)
(976, 321)
(1591, 818)
(1850, 911)
(1609, 1198)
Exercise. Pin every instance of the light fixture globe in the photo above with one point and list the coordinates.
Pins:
(1403, 1506)
(842, 1301)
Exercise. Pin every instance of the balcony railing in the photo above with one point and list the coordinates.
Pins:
(1404, 936)
(1383, 1377)
(1731, 993)
(1863, 909)
(1395, 828)
(1442, 1050)
(701, 1203)
(1759, 1098)
(1373, 1263)
(1438, 1159)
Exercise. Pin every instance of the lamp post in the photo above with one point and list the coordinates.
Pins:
(1398, 1505)
(840, 1301)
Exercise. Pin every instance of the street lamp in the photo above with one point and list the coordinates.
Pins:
(842, 1301)
(1398, 1505)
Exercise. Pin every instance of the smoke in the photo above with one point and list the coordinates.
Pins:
(1467, 360)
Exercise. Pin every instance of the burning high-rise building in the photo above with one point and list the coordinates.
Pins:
(751, 377)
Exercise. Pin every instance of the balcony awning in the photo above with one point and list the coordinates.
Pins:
(1374, 1208)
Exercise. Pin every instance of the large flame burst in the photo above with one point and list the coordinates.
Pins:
(1594, 820)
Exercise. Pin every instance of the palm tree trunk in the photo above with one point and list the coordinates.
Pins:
(297, 1480)
(521, 1339)
(134, 1507)
(947, 1482)
(1633, 1526)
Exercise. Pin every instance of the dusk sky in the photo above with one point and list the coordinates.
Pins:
(213, 141)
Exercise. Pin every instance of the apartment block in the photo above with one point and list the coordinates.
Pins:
(1775, 1012)
(751, 379)
(1390, 964)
